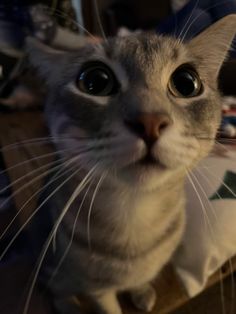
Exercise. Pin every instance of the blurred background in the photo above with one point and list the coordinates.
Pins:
(69, 24)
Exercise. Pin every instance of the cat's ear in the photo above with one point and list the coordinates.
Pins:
(44, 58)
(211, 47)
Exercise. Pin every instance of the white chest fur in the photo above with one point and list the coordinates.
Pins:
(132, 236)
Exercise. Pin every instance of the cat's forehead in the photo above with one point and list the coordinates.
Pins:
(142, 53)
(145, 51)
(144, 48)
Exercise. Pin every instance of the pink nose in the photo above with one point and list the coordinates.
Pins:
(149, 126)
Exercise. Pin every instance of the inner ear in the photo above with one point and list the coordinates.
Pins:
(212, 45)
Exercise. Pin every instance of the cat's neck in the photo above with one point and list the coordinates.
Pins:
(119, 203)
(129, 217)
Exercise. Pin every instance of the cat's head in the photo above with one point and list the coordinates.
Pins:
(143, 107)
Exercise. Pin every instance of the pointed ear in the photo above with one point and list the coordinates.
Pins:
(44, 58)
(212, 45)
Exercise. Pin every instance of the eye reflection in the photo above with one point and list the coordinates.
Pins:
(97, 79)
(185, 83)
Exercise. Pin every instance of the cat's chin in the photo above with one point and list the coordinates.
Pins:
(143, 174)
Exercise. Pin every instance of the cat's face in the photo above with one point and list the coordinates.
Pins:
(143, 107)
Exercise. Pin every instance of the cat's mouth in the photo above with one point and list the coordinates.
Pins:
(145, 169)
(149, 161)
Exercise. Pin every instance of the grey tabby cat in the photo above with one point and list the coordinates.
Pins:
(134, 115)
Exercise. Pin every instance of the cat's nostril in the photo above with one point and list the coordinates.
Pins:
(136, 127)
(149, 126)
(163, 125)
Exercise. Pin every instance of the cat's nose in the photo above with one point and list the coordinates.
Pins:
(149, 126)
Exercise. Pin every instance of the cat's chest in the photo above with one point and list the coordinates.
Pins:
(124, 222)
(124, 243)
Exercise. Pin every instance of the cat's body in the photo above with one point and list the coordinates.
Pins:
(117, 110)
(123, 246)
(126, 249)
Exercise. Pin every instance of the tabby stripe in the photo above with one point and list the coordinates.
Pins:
(112, 252)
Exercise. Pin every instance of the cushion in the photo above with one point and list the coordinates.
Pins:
(210, 237)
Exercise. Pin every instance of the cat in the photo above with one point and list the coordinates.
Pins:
(131, 116)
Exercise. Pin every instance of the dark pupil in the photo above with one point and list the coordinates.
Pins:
(95, 81)
(185, 83)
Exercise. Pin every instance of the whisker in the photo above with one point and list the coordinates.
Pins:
(200, 14)
(46, 139)
(207, 180)
(91, 205)
(35, 179)
(30, 160)
(54, 178)
(230, 261)
(16, 192)
(61, 14)
(206, 218)
(51, 235)
(72, 235)
(20, 142)
(204, 193)
(19, 211)
(33, 214)
(95, 4)
(221, 145)
(230, 152)
(81, 185)
(188, 20)
(29, 174)
(213, 239)
(80, 149)
(222, 182)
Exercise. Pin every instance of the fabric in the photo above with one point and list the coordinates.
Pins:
(195, 16)
(210, 237)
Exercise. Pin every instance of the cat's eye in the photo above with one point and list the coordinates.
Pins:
(185, 82)
(97, 79)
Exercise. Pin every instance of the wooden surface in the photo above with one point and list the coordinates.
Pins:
(24, 159)
(14, 285)
(16, 128)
